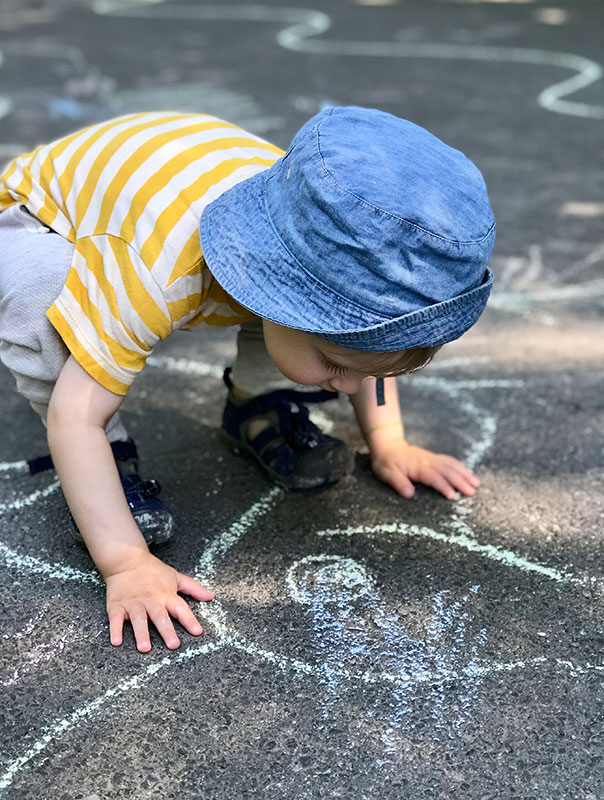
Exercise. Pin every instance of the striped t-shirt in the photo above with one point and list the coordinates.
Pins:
(129, 193)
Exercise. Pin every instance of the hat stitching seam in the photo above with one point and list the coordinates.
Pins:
(389, 213)
(444, 309)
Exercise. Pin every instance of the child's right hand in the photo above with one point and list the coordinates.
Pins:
(148, 589)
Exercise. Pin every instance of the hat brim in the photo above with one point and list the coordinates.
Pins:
(251, 263)
(247, 257)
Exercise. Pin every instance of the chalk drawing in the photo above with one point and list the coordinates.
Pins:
(14, 466)
(469, 543)
(29, 499)
(196, 96)
(523, 281)
(343, 598)
(72, 55)
(352, 627)
(304, 25)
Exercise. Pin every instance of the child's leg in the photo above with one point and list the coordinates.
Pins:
(254, 372)
(293, 451)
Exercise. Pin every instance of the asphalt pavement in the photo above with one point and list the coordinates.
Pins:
(360, 645)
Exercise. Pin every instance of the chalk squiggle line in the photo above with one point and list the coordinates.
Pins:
(52, 732)
(304, 25)
(463, 539)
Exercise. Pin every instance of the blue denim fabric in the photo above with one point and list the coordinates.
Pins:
(369, 232)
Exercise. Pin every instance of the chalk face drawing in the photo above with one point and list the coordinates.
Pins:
(354, 629)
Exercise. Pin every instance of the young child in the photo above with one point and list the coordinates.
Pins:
(360, 251)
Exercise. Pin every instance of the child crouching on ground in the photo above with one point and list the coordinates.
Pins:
(348, 260)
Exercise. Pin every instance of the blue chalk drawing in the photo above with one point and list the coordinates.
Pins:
(354, 629)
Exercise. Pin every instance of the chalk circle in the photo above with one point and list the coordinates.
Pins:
(328, 579)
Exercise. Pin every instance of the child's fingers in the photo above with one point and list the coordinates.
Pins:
(161, 619)
(398, 480)
(185, 616)
(457, 466)
(138, 619)
(116, 624)
(459, 480)
(190, 586)
(442, 485)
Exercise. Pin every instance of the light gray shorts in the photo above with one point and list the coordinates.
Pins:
(34, 262)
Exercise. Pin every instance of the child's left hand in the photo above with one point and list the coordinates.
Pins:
(397, 463)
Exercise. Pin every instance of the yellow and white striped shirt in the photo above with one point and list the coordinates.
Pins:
(129, 193)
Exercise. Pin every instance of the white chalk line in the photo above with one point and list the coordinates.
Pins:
(467, 542)
(527, 276)
(186, 366)
(225, 541)
(14, 466)
(37, 566)
(32, 565)
(52, 732)
(304, 25)
(29, 499)
(41, 654)
(510, 300)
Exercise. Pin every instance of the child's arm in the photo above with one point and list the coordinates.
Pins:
(139, 586)
(396, 461)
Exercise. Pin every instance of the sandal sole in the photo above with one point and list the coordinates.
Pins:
(299, 482)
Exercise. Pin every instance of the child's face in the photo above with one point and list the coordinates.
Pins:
(306, 359)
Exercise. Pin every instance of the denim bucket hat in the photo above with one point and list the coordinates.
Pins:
(369, 232)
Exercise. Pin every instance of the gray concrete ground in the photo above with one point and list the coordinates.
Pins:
(360, 645)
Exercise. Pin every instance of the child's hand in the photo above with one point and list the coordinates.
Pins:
(398, 463)
(147, 588)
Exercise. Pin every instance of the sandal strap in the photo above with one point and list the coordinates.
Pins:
(278, 446)
(122, 451)
(137, 490)
(274, 400)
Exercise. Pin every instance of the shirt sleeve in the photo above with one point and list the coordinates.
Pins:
(110, 312)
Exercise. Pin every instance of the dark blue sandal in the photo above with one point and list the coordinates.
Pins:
(292, 450)
(153, 518)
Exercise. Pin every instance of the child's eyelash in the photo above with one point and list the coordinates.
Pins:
(336, 369)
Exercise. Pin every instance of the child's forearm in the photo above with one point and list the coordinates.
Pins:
(378, 423)
(78, 412)
(90, 481)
